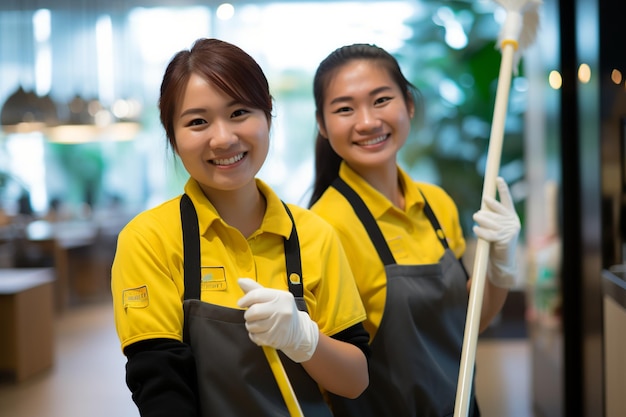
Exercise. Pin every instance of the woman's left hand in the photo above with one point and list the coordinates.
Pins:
(499, 224)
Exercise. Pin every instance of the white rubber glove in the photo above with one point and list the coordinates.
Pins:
(272, 319)
(499, 225)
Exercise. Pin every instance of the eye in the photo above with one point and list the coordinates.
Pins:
(344, 109)
(196, 122)
(381, 100)
(239, 113)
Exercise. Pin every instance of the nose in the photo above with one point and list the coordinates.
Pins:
(222, 135)
(367, 121)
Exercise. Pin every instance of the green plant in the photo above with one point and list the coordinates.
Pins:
(458, 87)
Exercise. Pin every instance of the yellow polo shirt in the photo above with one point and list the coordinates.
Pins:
(147, 274)
(409, 233)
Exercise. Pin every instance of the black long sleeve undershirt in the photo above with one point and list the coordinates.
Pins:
(161, 374)
(357, 336)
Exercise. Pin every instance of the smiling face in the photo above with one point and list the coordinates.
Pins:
(365, 114)
(221, 142)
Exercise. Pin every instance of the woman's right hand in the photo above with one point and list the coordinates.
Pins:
(273, 319)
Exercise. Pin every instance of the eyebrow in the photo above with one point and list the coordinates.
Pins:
(349, 98)
(202, 110)
(191, 111)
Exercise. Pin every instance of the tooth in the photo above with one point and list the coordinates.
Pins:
(228, 161)
(374, 141)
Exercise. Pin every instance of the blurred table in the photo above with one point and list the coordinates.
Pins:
(26, 321)
(70, 243)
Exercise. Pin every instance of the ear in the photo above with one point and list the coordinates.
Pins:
(320, 125)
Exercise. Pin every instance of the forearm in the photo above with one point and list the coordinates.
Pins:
(339, 367)
(493, 300)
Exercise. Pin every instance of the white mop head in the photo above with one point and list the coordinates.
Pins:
(520, 26)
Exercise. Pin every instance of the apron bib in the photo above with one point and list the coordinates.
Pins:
(416, 352)
(234, 377)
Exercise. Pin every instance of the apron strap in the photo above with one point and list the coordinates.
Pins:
(368, 221)
(191, 253)
(191, 248)
(428, 211)
(294, 264)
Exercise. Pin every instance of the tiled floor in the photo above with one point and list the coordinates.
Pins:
(87, 379)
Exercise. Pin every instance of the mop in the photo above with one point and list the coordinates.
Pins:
(283, 382)
(276, 366)
(518, 31)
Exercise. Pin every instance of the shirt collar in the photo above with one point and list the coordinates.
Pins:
(376, 202)
(412, 195)
(275, 220)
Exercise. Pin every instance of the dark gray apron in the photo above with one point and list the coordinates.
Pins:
(234, 377)
(415, 359)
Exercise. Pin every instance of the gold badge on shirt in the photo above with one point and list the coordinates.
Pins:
(213, 278)
(136, 297)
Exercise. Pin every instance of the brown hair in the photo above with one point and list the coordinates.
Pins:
(327, 161)
(225, 65)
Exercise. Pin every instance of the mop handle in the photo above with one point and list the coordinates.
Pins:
(468, 353)
(283, 382)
